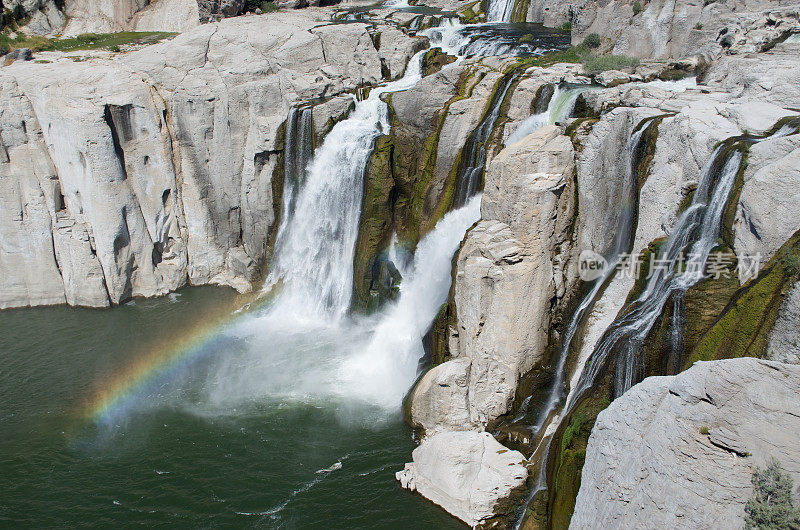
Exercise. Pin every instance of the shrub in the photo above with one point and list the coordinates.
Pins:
(4, 48)
(771, 506)
(637, 8)
(698, 26)
(114, 48)
(592, 40)
(704, 430)
(566, 26)
(268, 7)
(600, 63)
(526, 39)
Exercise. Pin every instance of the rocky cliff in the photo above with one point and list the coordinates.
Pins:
(679, 451)
(135, 175)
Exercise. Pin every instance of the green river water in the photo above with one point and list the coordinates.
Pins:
(272, 464)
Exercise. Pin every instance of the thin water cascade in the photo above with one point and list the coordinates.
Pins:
(623, 240)
(696, 229)
(559, 108)
(315, 246)
(473, 155)
(500, 10)
(299, 149)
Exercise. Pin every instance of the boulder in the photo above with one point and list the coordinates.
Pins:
(679, 451)
(469, 474)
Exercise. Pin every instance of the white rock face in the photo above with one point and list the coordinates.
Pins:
(648, 465)
(466, 473)
(511, 254)
(766, 215)
(154, 169)
(673, 29)
(784, 340)
(109, 16)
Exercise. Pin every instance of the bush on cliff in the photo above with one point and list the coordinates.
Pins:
(771, 507)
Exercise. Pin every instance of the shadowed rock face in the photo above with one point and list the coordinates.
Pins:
(679, 451)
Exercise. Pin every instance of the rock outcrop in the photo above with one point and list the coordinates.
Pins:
(669, 29)
(679, 451)
(469, 474)
(502, 330)
(156, 167)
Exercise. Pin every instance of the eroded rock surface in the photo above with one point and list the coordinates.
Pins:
(156, 167)
(679, 451)
(467, 473)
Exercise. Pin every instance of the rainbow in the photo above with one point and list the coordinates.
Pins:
(119, 393)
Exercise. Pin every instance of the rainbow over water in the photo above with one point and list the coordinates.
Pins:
(119, 394)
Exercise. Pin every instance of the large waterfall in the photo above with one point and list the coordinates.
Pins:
(315, 246)
(303, 346)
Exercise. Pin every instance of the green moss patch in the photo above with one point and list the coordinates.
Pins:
(86, 41)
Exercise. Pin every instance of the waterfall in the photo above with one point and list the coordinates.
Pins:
(388, 365)
(298, 149)
(314, 248)
(698, 229)
(559, 108)
(500, 11)
(484, 40)
(473, 154)
(622, 244)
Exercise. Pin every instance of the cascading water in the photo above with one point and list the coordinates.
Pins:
(622, 244)
(560, 107)
(473, 155)
(484, 40)
(500, 10)
(299, 149)
(697, 229)
(315, 247)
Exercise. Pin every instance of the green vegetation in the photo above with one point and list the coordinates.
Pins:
(86, 41)
(771, 507)
(637, 8)
(570, 459)
(698, 26)
(592, 41)
(600, 63)
(566, 26)
(526, 39)
(744, 325)
(582, 54)
(704, 430)
(265, 7)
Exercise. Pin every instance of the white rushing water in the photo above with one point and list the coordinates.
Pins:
(314, 250)
(560, 107)
(356, 361)
(305, 347)
(500, 10)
